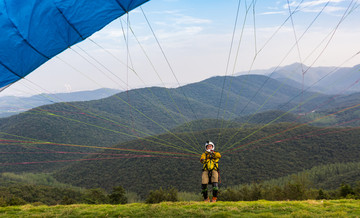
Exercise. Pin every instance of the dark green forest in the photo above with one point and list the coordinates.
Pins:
(71, 127)
(315, 183)
(152, 110)
(302, 148)
(152, 138)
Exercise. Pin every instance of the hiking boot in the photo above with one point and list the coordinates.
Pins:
(207, 200)
(213, 200)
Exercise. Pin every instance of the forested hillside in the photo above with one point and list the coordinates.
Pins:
(253, 159)
(328, 176)
(51, 137)
(152, 110)
(11, 105)
(54, 129)
(59, 134)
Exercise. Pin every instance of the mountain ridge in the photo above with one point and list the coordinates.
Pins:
(12, 105)
(73, 127)
(341, 79)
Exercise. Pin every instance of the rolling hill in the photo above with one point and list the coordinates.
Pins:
(11, 105)
(328, 80)
(47, 133)
(254, 160)
(149, 110)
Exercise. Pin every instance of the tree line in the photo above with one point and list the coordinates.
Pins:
(25, 194)
(295, 189)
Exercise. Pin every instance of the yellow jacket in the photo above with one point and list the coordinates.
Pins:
(210, 160)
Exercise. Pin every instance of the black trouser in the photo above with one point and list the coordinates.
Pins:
(204, 189)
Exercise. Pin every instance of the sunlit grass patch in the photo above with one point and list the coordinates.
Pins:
(262, 208)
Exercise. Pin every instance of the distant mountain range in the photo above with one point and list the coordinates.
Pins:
(11, 105)
(155, 110)
(328, 80)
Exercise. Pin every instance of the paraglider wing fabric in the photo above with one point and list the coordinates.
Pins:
(34, 31)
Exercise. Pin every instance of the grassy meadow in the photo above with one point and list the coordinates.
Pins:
(262, 208)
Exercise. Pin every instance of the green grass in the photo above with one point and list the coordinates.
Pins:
(309, 208)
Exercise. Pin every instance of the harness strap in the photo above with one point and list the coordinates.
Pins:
(216, 167)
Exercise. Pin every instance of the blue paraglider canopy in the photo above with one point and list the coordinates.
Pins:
(34, 31)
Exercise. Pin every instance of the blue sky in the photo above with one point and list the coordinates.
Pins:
(195, 36)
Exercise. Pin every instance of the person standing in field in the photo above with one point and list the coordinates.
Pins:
(210, 173)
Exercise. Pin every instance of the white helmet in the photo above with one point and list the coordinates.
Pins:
(209, 143)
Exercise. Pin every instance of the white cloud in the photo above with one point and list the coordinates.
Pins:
(273, 12)
(328, 9)
(291, 4)
(316, 6)
(179, 18)
(319, 2)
